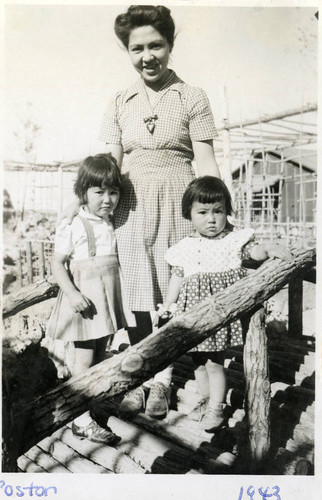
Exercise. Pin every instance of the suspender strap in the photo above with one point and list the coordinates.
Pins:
(90, 237)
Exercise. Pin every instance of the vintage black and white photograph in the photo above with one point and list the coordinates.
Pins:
(160, 209)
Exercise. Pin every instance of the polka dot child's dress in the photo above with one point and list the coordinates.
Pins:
(208, 266)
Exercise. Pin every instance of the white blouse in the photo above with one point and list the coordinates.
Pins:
(208, 255)
(71, 239)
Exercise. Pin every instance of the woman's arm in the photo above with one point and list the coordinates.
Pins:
(78, 302)
(205, 157)
(267, 250)
(116, 150)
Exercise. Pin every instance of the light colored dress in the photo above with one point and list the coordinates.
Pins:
(90, 244)
(148, 219)
(210, 265)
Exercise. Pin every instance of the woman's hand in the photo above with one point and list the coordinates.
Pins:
(69, 212)
(279, 251)
(267, 250)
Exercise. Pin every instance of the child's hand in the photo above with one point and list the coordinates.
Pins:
(279, 251)
(164, 313)
(69, 212)
(80, 304)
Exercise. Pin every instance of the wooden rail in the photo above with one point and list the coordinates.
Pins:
(28, 423)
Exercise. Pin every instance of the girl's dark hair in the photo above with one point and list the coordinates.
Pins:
(206, 189)
(136, 16)
(97, 171)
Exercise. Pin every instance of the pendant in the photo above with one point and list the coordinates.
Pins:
(150, 123)
(150, 126)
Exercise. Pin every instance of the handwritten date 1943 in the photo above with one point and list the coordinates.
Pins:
(260, 493)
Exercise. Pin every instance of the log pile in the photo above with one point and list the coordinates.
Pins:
(177, 445)
(111, 378)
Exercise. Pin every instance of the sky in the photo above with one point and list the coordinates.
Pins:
(63, 62)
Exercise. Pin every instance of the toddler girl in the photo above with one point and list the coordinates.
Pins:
(203, 263)
(89, 309)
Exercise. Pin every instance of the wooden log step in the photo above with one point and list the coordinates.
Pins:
(237, 417)
(154, 453)
(25, 464)
(175, 429)
(67, 455)
(294, 395)
(45, 461)
(303, 435)
(301, 357)
(187, 400)
(304, 417)
(292, 365)
(294, 344)
(290, 463)
(142, 447)
(191, 386)
(108, 457)
(305, 450)
(183, 372)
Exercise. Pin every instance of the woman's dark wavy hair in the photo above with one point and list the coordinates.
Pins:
(136, 16)
(206, 189)
(97, 171)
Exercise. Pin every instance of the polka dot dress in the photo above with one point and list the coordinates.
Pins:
(209, 266)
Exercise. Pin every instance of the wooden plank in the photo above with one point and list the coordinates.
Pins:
(109, 457)
(28, 465)
(149, 450)
(268, 118)
(175, 429)
(295, 307)
(46, 461)
(72, 460)
(42, 264)
(29, 262)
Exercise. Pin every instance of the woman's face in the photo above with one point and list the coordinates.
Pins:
(149, 53)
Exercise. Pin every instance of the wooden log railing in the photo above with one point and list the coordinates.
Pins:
(42, 416)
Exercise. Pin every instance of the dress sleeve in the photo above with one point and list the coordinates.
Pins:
(201, 120)
(173, 256)
(110, 131)
(63, 238)
(247, 240)
(178, 271)
(245, 250)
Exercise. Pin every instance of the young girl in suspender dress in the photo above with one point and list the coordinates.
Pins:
(89, 307)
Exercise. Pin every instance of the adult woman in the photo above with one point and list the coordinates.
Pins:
(161, 124)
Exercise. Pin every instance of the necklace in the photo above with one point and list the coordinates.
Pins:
(150, 123)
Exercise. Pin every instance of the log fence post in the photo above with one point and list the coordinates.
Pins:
(29, 262)
(258, 390)
(42, 265)
(295, 307)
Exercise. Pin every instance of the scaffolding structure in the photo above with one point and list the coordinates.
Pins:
(270, 165)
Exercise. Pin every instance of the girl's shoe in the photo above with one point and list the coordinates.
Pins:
(199, 411)
(213, 417)
(157, 405)
(133, 402)
(96, 433)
